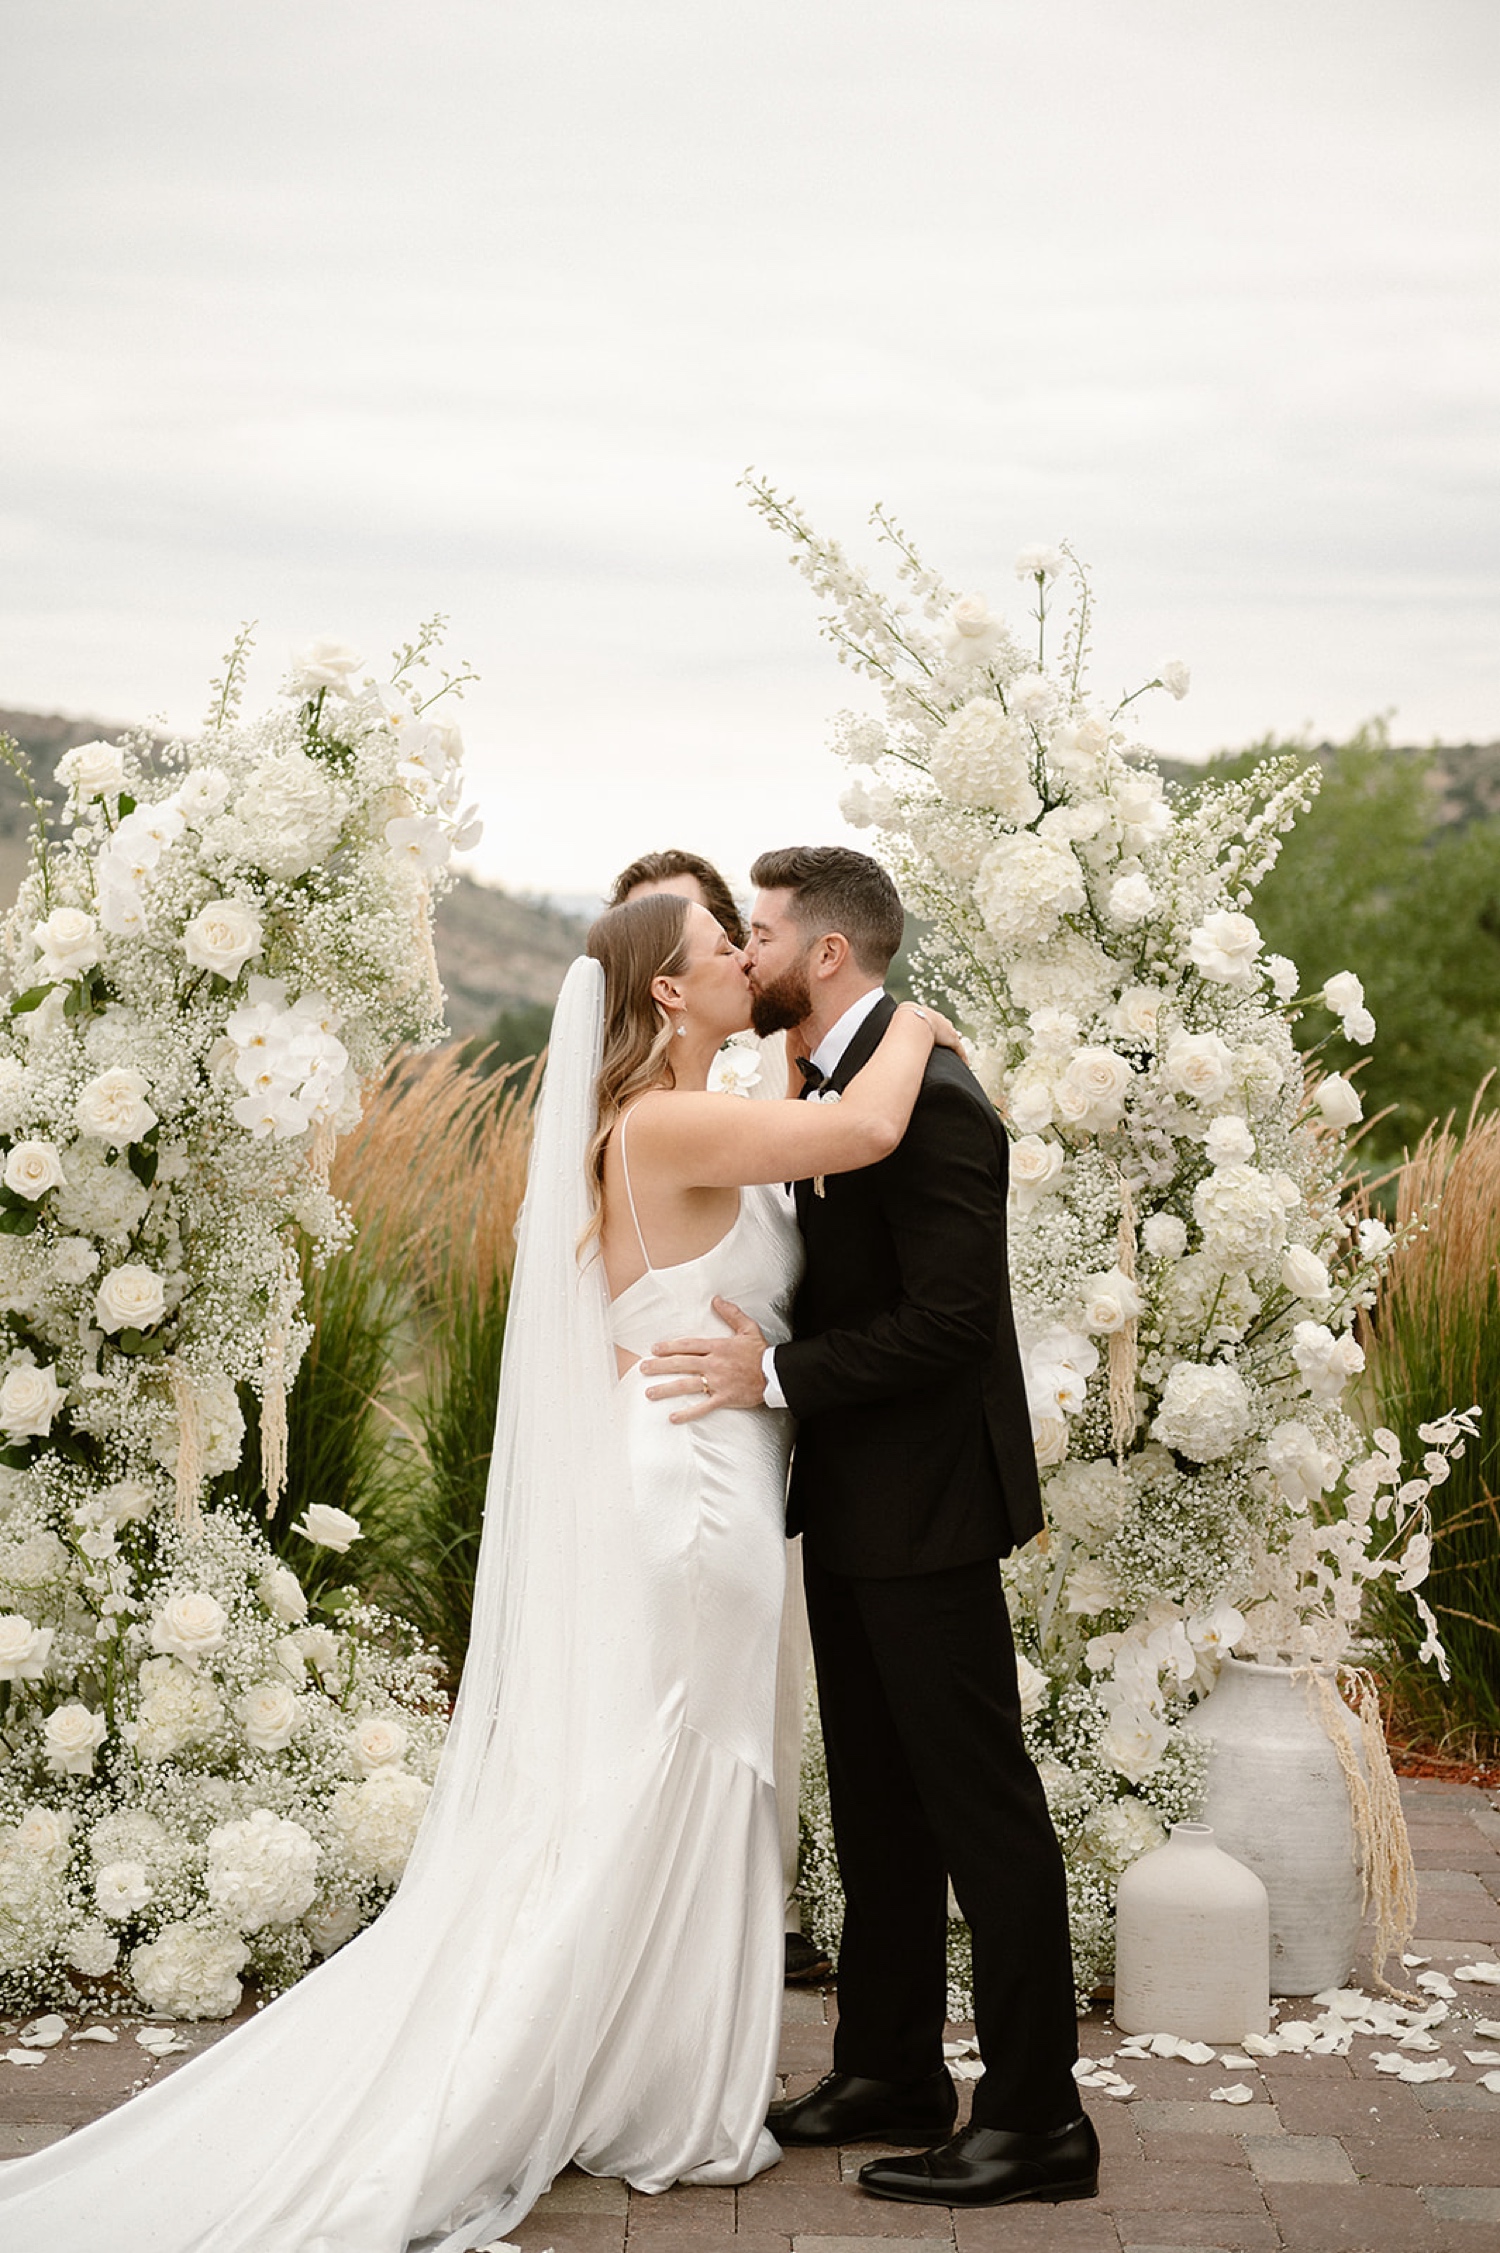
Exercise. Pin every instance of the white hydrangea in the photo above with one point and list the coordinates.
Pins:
(1242, 1218)
(1205, 1411)
(291, 811)
(981, 757)
(261, 1871)
(1026, 885)
(378, 1821)
(190, 1970)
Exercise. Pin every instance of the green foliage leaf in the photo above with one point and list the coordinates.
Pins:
(33, 998)
(18, 1220)
(143, 1163)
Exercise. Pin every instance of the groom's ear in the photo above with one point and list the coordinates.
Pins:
(829, 955)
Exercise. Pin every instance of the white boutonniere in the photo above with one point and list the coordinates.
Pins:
(734, 1071)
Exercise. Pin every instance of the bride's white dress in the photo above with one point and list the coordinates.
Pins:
(584, 1961)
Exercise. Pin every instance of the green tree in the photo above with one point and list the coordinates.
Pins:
(1373, 879)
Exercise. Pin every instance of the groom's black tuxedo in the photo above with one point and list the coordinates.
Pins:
(914, 1442)
(913, 1474)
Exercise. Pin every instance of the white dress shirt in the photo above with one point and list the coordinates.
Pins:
(828, 1055)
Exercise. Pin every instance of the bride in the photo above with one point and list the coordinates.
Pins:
(583, 1961)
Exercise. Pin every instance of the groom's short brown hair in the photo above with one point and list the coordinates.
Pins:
(834, 889)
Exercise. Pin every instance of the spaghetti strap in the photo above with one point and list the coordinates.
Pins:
(625, 1117)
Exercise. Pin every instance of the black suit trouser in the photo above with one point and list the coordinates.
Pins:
(928, 1777)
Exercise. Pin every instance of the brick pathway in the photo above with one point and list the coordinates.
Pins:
(1329, 2157)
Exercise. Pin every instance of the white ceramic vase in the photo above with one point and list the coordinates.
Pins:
(1277, 1801)
(1192, 1943)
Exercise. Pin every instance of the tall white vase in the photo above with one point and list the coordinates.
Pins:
(1277, 1801)
(1192, 1943)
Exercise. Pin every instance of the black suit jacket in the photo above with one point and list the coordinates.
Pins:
(914, 1448)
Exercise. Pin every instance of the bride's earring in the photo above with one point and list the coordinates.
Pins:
(682, 1028)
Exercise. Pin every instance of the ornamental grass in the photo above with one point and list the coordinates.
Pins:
(1434, 1335)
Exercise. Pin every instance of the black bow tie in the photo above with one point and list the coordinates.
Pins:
(813, 1075)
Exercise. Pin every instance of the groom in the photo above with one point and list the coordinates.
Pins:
(913, 1474)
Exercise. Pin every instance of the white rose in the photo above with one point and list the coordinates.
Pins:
(23, 1648)
(1229, 1142)
(71, 1736)
(129, 1298)
(189, 1626)
(45, 1833)
(67, 942)
(1092, 1091)
(1131, 900)
(973, 635)
(323, 663)
(92, 770)
(1345, 996)
(328, 1527)
(1134, 1742)
(222, 937)
(32, 1168)
(1049, 1440)
(282, 1593)
(1175, 677)
(121, 1889)
(1304, 1274)
(1035, 1167)
(1138, 1012)
(378, 1741)
(1109, 1301)
(1164, 1236)
(114, 1107)
(317, 1647)
(1033, 1685)
(1335, 1098)
(1224, 947)
(1199, 1066)
(267, 1713)
(1204, 1412)
(29, 1399)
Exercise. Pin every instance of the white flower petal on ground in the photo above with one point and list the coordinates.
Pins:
(1481, 1974)
(44, 2033)
(1236, 2092)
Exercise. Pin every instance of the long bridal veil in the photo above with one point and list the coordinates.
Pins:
(425, 2084)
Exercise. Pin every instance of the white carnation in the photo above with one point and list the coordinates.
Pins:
(1164, 1236)
(1229, 1142)
(121, 1889)
(1204, 1412)
(92, 1949)
(1040, 563)
(1131, 901)
(1345, 996)
(73, 1259)
(1224, 947)
(1298, 1464)
(1327, 1362)
(178, 1709)
(1175, 677)
(1282, 972)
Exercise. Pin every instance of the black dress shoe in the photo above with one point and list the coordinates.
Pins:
(807, 1964)
(993, 2167)
(844, 2108)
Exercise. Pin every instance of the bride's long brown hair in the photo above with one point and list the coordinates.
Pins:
(634, 943)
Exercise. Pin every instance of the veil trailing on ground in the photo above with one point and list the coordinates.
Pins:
(424, 2084)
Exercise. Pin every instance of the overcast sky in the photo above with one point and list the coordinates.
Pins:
(336, 314)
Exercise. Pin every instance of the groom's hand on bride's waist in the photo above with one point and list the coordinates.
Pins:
(709, 1373)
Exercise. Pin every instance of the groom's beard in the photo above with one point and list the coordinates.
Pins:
(777, 1008)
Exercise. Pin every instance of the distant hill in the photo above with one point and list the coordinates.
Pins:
(1465, 776)
(497, 952)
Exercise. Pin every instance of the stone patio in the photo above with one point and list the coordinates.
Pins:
(1329, 2156)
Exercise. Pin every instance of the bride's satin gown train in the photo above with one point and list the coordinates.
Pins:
(614, 2003)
